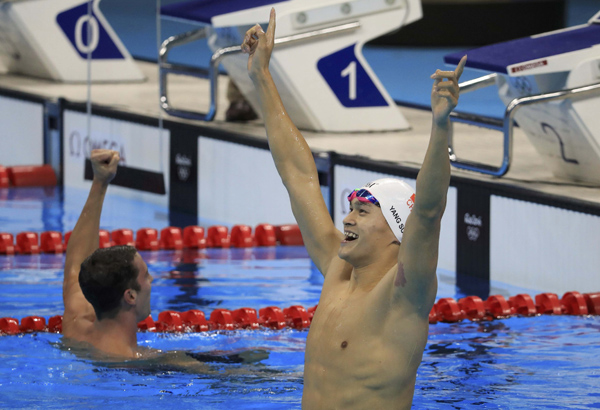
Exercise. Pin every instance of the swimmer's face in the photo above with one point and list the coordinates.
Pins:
(366, 234)
(144, 279)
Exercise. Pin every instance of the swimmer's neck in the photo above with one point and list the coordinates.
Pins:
(366, 276)
(117, 336)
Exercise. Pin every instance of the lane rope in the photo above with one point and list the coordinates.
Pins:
(150, 239)
(446, 310)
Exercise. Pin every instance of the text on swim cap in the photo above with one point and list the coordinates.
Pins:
(411, 202)
(397, 218)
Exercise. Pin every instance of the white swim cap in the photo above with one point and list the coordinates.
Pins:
(395, 197)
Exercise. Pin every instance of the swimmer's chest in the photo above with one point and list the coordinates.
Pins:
(346, 319)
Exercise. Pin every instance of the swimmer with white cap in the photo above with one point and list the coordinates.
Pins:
(369, 331)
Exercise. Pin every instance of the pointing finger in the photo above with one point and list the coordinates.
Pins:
(271, 28)
(461, 66)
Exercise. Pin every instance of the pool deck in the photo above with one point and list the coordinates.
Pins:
(405, 147)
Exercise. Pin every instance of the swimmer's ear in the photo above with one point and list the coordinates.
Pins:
(129, 296)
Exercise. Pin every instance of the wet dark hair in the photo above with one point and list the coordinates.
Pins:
(104, 277)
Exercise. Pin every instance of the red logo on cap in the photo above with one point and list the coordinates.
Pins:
(411, 202)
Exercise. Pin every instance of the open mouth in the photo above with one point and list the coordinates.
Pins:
(350, 236)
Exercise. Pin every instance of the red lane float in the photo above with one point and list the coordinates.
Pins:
(272, 317)
(122, 237)
(297, 317)
(218, 237)
(241, 236)
(193, 237)
(55, 324)
(32, 324)
(573, 303)
(9, 326)
(265, 235)
(245, 318)
(289, 235)
(593, 303)
(146, 239)
(472, 307)
(4, 179)
(27, 243)
(42, 175)
(52, 242)
(523, 305)
(171, 238)
(7, 244)
(548, 304)
(195, 320)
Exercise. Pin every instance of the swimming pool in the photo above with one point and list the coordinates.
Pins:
(516, 363)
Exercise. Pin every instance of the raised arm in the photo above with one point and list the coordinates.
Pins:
(292, 156)
(417, 260)
(84, 241)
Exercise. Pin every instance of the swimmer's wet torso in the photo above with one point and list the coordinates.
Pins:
(370, 329)
(362, 352)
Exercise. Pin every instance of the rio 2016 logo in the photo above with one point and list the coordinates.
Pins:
(87, 34)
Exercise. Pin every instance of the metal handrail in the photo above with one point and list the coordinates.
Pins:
(508, 125)
(167, 68)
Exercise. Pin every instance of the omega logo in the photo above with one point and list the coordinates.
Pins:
(79, 147)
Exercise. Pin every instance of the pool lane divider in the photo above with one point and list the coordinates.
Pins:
(445, 310)
(27, 176)
(170, 238)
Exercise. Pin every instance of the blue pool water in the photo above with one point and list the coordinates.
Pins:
(518, 363)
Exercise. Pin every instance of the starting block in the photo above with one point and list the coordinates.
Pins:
(317, 64)
(53, 39)
(550, 84)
